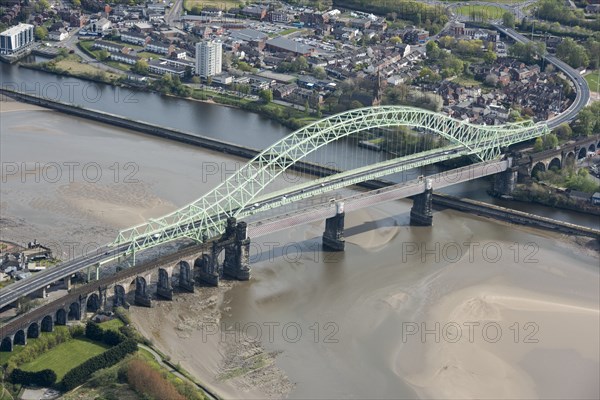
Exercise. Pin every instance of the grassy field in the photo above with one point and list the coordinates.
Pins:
(65, 357)
(592, 80)
(147, 54)
(4, 395)
(222, 4)
(113, 324)
(491, 12)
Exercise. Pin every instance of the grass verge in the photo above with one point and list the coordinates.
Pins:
(66, 356)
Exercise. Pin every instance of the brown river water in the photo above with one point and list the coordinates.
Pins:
(467, 308)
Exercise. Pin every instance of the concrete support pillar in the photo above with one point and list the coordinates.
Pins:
(237, 255)
(141, 296)
(102, 295)
(207, 267)
(186, 278)
(97, 272)
(67, 282)
(333, 237)
(421, 213)
(164, 288)
(42, 293)
(504, 182)
(120, 298)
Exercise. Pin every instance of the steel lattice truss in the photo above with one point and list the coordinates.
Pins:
(206, 217)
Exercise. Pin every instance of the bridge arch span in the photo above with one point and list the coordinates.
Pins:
(592, 148)
(570, 159)
(61, 316)
(20, 337)
(582, 152)
(598, 146)
(74, 311)
(537, 168)
(6, 344)
(119, 299)
(47, 324)
(207, 216)
(92, 303)
(554, 164)
(33, 331)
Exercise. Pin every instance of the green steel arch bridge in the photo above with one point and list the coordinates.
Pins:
(243, 193)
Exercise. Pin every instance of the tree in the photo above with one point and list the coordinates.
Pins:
(563, 131)
(508, 19)
(42, 5)
(489, 57)
(76, 3)
(319, 73)
(491, 80)
(140, 67)
(266, 95)
(300, 64)
(550, 141)
(103, 55)
(539, 145)
(433, 50)
(572, 53)
(395, 40)
(40, 32)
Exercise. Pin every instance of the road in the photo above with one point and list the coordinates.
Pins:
(71, 44)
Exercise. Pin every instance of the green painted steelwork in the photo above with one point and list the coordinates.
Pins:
(207, 216)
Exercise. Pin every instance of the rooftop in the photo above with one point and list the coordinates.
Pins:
(17, 29)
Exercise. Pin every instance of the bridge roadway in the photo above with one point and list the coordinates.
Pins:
(257, 228)
(582, 89)
(104, 254)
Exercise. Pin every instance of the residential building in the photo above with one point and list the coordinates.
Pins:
(290, 46)
(124, 58)
(58, 35)
(108, 46)
(161, 67)
(209, 55)
(16, 38)
(279, 16)
(136, 38)
(160, 47)
(254, 11)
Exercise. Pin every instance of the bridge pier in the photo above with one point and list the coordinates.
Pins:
(97, 267)
(186, 278)
(505, 182)
(163, 287)
(333, 237)
(421, 213)
(207, 267)
(141, 296)
(237, 255)
(42, 292)
(67, 282)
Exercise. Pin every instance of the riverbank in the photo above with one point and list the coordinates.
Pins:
(289, 117)
(534, 193)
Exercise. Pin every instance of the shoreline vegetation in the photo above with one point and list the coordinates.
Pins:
(289, 117)
(112, 359)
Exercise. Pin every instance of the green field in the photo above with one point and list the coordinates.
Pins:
(490, 12)
(114, 324)
(592, 80)
(66, 356)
